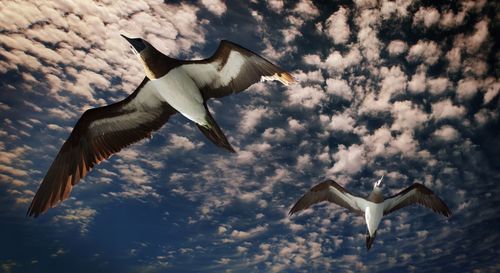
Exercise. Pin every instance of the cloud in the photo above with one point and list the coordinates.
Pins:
(216, 7)
(426, 16)
(276, 5)
(310, 76)
(337, 28)
(349, 160)
(304, 96)
(289, 34)
(339, 87)
(81, 217)
(417, 84)
(474, 42)
(397, 47)
(450, 19)
(295, 125)
(447, 133)
(306, 9)
(467, 88)
(427, 52)
(182, 143)
(244, 235)
(445, 109)
(492, 88)
(312, 59)
(80, 36)
(407, 116)
(338, 63)
(438, 85)
(251, 117)
(342, 122)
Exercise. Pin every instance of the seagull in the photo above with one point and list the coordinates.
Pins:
(375, 206)
(171, 86)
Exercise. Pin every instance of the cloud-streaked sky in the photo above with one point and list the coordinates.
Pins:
(404, 88)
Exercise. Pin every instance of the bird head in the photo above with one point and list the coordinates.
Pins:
(137, 44)
(148, 55)
(378, 184)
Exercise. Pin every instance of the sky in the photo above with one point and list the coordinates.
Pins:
(405, 89)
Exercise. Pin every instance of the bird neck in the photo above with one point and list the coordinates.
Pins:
(376, 195)
(155, 63)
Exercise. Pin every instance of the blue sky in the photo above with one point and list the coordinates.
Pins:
(405, 89)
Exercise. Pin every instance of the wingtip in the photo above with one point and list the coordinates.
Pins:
(283, 77)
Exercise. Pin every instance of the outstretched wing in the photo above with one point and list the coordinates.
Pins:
(99, 133)
(416, 194)
(232, 69)
(329, 190)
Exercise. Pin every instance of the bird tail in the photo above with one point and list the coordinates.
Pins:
(369, 240)
(213, 132)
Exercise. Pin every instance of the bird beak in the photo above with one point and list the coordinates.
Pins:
(137, 43)
(379, 182)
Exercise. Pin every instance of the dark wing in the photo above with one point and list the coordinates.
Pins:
(329, 191)
(98, 134)
(416, 194)
(232, 69)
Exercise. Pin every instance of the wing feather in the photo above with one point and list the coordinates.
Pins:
(99, 133)
(331, 191)
(232, 69)
(416, 194)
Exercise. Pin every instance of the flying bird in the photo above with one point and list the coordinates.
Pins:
(171, 86)
(375, 206)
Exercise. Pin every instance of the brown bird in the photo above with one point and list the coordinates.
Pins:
(375, 206)
(170, 86)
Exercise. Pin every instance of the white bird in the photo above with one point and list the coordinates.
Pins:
(171, 86)
(374, 207)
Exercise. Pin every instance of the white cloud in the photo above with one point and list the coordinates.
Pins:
(445, 109)
(243, 235)
(312, 59)
(492, 88)
(395, 8)
(336, 63)
(451, 20)
(447, 133)
(397, 47)
(304, 96)
(310, 76)
(290, 33)
(405, 144)
(339, 87)
(424, 51)
(438, 85)
(348, 160)
(182, 143)
(295, 125)
(418, 82)
(467, 88)
(407, 116)
(217, 7)
(454, 57)
(252, 117)
(306, 9)
(337, 28)
(428, 16)
(484, 116)
(304, 162)
(274, 134)
(80, 216)
(474, 42)
(276, 5)
(342, 122)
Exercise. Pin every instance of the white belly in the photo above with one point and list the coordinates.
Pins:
(180, 91)
(373, 215)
